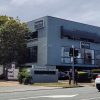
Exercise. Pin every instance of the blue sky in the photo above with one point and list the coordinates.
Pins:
(83, 11)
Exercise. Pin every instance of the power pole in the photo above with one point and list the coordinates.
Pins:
(73, 65)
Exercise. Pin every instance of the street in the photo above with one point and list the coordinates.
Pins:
(80, 93)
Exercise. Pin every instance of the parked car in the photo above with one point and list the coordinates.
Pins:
(66, 72)
(62, 76)
(89, 72)
(97, 82)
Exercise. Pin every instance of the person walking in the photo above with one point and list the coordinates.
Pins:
(76, 76)
(70, 76)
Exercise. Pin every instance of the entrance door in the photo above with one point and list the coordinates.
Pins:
(89, 56)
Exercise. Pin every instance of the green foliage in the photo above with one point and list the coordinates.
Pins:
(24, 77)
(13, 40)
(24, 70)
(3, 19)
(27, 78)
(96, 71)
(20, 76)
(83, 77)
(94, 75)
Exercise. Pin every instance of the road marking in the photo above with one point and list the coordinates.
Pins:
(24, 98)
(91, 98)
(51, 96)
(60, 96)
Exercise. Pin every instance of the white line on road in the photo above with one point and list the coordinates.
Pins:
(51, 96)
(60, 96)
(91, 98)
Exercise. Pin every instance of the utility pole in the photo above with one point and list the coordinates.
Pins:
(73, 65)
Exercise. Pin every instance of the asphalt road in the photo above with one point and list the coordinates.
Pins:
(80, 93)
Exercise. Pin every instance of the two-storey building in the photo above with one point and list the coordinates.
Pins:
(51, 39)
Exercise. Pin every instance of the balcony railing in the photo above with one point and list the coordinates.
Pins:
(68, 60)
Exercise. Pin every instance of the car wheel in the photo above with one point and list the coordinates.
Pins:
(98, 89)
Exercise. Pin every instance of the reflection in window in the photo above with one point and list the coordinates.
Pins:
(85, 56)
(33, 35)
(32, 54)
(97, 57)
(81, 53)
(66, 60)
(65, 51)
(89, 55)
(65, 55)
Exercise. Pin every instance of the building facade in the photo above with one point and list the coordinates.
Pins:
(51, 39)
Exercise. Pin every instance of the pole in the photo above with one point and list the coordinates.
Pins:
(73, 65)
(73, 58)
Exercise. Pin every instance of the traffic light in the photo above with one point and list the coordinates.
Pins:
(71, 52)
(75, 60)
(75, 52)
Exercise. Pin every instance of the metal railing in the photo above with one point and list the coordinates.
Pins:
(67, 60)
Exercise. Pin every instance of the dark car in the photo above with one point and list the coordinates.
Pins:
(66, 72)
(62, 76)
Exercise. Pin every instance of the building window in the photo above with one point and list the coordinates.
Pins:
(32, 54)
(65, 58)
(65, 51)
(89, 56)
(85, 56)
(97, 57)
(33, 35)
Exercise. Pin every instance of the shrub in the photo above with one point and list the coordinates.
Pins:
(94, 75)
(83, 77)
(27, 78)
(24, 77)
(20, 76)
(25, 81)
(96, 71)
(23, 70)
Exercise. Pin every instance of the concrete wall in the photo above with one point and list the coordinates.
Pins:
(41, 42)
(44, 78)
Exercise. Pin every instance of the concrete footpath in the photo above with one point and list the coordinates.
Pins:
(14, 86)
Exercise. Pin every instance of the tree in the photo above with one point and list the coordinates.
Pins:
(13, 39)
(3, 19)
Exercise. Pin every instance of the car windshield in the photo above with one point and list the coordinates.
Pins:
(62, 73)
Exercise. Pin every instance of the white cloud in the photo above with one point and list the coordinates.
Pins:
(3, 8)
(19, 2)
(84, 11)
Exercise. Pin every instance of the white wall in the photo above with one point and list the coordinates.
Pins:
(1, 69)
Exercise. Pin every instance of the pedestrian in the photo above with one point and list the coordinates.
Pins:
(70, 76)
(76, 76)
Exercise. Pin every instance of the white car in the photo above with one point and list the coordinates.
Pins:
(97, 82)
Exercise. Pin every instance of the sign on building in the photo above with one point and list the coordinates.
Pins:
(44, 74)
(85, 45)
(39, 24)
